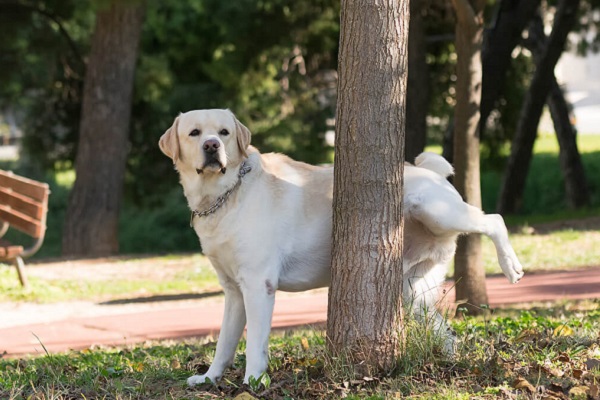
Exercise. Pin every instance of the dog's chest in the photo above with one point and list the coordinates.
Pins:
(218, 246)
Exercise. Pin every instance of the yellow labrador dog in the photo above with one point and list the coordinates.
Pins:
(264, 221)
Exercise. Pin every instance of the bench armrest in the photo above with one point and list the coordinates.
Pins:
(29, 251)
(3, 228)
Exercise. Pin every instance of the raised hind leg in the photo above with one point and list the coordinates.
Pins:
(449, 215)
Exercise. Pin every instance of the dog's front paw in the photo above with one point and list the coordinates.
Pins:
(199, 380)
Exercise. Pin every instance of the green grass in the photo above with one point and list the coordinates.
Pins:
(558, 250)
(552, 348)
(153, 276)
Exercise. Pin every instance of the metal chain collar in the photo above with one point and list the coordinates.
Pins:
(244, 169)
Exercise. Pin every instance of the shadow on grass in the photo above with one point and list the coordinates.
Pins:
(162, 297)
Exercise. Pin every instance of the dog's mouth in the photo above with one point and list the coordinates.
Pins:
(212, 164)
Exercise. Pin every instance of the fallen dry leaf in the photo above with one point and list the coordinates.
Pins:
(579, 391)
(550, 369)
(564, 357)
(550, 395)
(528, 335)
(579, 373)
(562, 330)
(594, 392)
(304, 342)
(555, 372)
(522, 383)
(244, 396)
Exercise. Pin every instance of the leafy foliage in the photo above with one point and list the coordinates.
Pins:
(275, 66)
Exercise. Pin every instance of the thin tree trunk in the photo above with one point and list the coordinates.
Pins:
(91, 226)
(517, 168)
(417, 94)
(576, 186)
(500, 40)
(365, 313)
(468, 271)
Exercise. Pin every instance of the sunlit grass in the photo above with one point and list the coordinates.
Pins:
(547, 143)
(152, 277)
(559, 250)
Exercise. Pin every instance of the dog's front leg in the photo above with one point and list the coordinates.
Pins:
(234, 320)
(259, 299)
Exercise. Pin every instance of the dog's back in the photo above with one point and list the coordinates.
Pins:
(434, 162)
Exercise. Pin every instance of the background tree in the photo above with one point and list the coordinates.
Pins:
(364, 313)
(576, 186)
(469, 275)
(417, 92)
(91, 226)
(513, 181)
(504, 34)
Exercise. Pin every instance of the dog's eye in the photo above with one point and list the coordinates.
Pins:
(195, 132)
(224, 132)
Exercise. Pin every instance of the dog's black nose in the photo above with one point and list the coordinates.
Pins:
(211, 146)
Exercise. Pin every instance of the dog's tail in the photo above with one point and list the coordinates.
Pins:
(434, 162)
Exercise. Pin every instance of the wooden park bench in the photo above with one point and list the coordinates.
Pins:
(23, 205)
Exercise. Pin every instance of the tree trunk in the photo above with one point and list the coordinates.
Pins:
(469, 275)
(576, 187)
(417, 93)
(91, 226)
(365, 313)
(500, 40)
(517, 168)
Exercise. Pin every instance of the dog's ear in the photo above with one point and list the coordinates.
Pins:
(169, 142)
(243, 136)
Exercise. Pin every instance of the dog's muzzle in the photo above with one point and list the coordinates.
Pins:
(211, 156)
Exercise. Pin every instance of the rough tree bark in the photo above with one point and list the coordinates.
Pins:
(417, 93)
(91, 225)
(500, 40)
(576, 185)
(365, 313)
(469, 275)
(517, 168)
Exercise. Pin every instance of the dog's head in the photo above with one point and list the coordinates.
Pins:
(206, 141)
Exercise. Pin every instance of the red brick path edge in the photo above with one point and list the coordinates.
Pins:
(204, 318)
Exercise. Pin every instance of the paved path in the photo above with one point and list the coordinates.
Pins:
(81, 325)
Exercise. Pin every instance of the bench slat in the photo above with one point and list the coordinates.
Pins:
(22, 203)
(21, 221)
(28, 187)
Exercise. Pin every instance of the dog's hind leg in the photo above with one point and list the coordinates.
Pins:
(234, 320)
(421, 294)
(449, 215)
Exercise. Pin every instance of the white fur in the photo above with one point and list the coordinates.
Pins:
(435, 163)
(274, 232)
